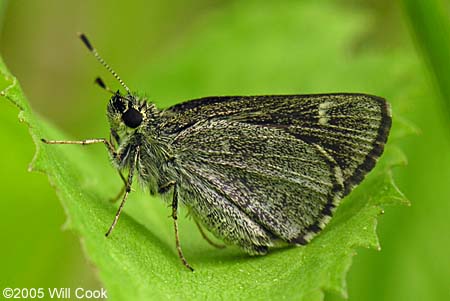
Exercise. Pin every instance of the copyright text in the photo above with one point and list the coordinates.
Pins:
(54, 293)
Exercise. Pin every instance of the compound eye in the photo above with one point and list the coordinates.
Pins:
(132, 118)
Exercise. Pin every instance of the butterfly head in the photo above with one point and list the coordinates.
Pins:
(129, 114)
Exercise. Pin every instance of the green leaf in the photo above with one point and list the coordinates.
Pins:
(282, 55)
(425, 18)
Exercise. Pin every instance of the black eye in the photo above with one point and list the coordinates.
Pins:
(132, 118)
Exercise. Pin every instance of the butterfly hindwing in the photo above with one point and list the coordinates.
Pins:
(286, 186)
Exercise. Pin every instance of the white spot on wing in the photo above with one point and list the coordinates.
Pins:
(323, 108)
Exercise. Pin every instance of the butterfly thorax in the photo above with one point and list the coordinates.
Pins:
(133, 123)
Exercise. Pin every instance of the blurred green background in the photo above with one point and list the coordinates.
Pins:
(176, 50)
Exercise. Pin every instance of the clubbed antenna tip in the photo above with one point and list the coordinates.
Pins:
(85, 40)
(91, 48)
(101, 83)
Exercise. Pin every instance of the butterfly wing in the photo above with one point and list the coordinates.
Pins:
(284, 185)
(352, 128)
(257, 169)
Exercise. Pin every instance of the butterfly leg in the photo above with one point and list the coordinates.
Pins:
(122, 191)
(127, 191)
(205, 237)
(175, 226)
(110, 148)
(107, 143)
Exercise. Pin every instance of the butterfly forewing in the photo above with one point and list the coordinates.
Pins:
(277, 163)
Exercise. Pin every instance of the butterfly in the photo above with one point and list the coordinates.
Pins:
(255, 171)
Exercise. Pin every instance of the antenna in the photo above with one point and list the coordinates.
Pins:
(102, 85)
(99, 58)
